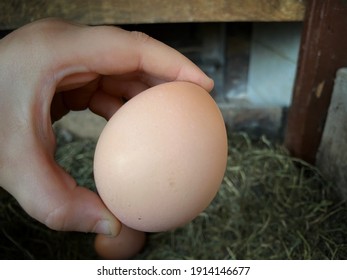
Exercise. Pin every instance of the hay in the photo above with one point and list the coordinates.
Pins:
(270, 206)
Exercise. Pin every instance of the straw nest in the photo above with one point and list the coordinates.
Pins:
(270, 206)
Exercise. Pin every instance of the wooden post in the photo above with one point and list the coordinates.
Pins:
(323, 51)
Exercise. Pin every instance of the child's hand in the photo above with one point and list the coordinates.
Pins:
(50, 67)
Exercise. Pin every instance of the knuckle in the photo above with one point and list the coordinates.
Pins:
(140, 36)
(54, 220)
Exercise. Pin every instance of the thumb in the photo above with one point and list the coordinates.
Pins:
(50, 195)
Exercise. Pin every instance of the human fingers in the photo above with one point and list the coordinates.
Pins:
(52, 197)
(126, 245)
(105, 105)
(110, 50)
(114, 91)
(103, 96)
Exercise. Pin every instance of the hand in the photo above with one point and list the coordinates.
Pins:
(50, 67)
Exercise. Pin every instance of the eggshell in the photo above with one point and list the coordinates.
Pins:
(161, 158)
(126, 245)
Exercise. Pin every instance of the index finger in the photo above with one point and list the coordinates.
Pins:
(111, 50)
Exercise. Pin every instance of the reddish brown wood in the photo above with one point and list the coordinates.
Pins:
(323, 51)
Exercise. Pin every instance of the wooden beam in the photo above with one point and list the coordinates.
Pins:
(17, 13)
(323, 51)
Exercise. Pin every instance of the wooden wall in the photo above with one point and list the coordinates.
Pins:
(17, 13)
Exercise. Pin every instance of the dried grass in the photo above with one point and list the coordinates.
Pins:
(270, 206)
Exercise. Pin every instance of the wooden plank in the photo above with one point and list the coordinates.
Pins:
(17, 13)
(323, 52)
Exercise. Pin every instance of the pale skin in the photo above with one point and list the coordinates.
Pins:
(50, 67)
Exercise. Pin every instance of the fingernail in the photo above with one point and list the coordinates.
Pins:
(211, 84)
(103, 227)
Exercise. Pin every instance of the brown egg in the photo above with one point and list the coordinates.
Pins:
(126, 245)
(161, 158)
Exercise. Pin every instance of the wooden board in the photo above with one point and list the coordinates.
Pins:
(17, 13)
(323, 52)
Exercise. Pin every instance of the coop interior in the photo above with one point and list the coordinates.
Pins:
(281, 88)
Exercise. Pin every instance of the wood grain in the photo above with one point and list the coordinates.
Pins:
(17, 13)
(322, 53)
